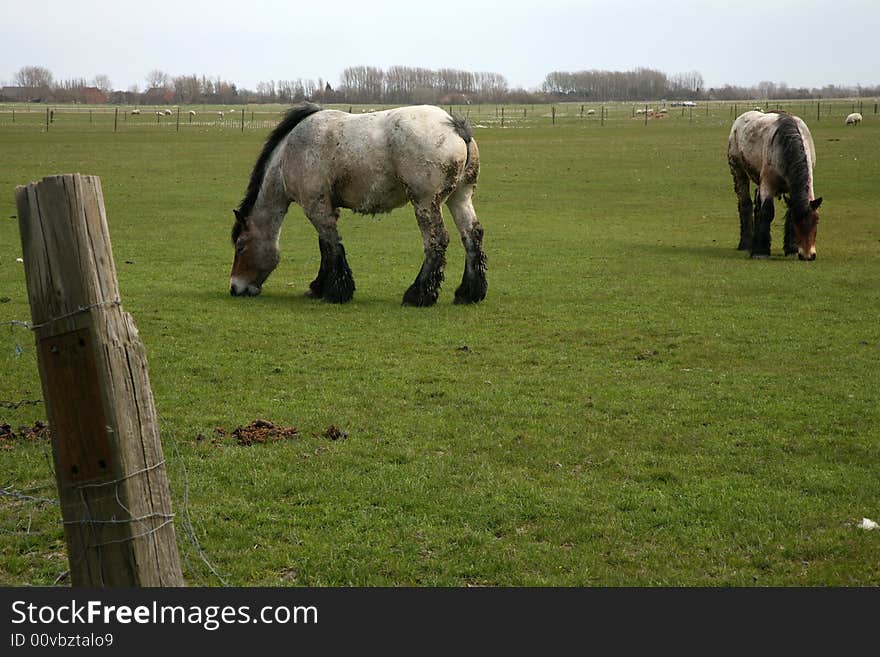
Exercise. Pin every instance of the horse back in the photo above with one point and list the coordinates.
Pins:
(373, 163)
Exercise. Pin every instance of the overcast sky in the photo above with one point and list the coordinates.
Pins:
(742, 42)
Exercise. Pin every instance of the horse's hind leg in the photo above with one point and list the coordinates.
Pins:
(744, 206)
(426, 287)
(334, 282)
(473, 282)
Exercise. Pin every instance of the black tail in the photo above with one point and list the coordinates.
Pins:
(462, 127)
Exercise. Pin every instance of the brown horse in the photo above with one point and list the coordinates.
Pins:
(775, 151)
(371, 163)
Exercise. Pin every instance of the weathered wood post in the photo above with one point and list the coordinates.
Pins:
(109, 466)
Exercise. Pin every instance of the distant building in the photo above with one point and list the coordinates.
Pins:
(93, 96)
(20, 94)
(158, 96)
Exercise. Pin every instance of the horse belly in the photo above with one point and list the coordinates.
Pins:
(369, 192)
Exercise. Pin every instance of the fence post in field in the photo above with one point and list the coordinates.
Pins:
(242, 120)
(115, 119)
(553, 114)
(178, 119)
(47, 119)
(818, 111)
(502, 117)
(109, 466)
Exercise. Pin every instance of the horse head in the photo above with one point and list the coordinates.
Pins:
(256, 256)
(805, 223)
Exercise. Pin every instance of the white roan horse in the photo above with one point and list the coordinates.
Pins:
(774, 150)
(370, 163)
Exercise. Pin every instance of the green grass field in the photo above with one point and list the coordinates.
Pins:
(635, 403)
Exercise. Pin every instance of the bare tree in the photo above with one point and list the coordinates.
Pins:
(103, 83)
(34, 77)
(157, 79)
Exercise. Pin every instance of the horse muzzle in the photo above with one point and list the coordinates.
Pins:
(809, 257)
(239, 288)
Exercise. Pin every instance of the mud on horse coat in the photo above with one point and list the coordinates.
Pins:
(775, 151)
(370, 163)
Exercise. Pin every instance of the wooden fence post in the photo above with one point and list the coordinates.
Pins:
(109, 466)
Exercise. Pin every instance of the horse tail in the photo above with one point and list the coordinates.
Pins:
(463, 129)
(472, 163)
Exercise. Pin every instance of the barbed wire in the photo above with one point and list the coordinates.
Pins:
(7, 491)
(24, 402)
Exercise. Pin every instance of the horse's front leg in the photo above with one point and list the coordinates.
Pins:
(789, 246)
(426, 287)
(473, 282)
(744, 207)
(334, 282)
(764, 213)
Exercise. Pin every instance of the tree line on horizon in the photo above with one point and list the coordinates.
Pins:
(405, 84)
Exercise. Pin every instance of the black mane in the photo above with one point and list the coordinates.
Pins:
(291, 119)
(796, 166)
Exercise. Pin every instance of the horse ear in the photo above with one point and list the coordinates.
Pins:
(816, 203)
(237, 214)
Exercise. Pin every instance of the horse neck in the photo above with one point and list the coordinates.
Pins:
(271, 205)
(799, 168)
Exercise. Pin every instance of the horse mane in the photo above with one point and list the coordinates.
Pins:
(794, 156)
(291, 119)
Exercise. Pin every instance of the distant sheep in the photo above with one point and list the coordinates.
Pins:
(167, 112)
(135, 111)
(854, 119)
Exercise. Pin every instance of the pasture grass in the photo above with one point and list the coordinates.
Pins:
(635, 403)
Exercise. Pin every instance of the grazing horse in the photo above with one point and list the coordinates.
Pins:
(775, 151)
(370, 163)
(854, 119)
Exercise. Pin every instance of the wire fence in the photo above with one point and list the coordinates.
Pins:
(118, 119)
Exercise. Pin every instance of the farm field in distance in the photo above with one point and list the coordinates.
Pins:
(636, 403)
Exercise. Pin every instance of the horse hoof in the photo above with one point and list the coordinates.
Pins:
(415, 300)
(760, 256)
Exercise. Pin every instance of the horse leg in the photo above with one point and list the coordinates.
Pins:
(426, 287)
(764, 212)
(334, 282)
(473, 282)
(744, 206)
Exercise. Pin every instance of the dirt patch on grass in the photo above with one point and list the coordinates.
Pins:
(260, 431)
(9, 436)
